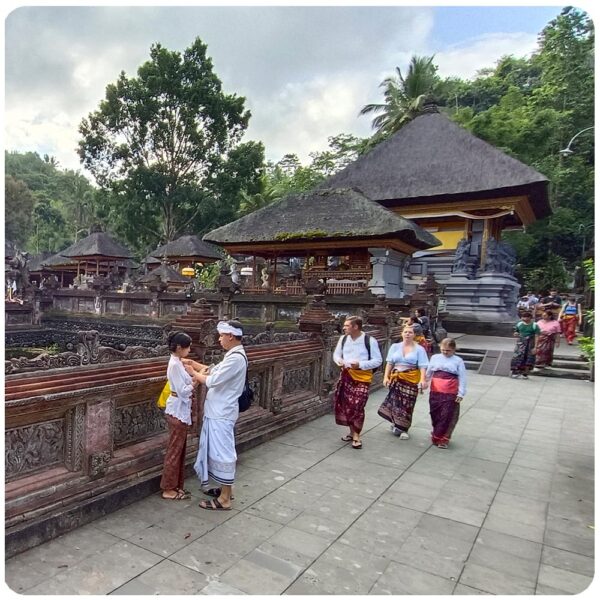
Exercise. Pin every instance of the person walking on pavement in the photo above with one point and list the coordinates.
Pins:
(523, 358)
(447, 376)
(217, 456)
(357, 353)
(405, 377)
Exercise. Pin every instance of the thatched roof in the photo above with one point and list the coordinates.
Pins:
(57, 260)
(322, 215)
(166, 273)
(36, 262)
(188, 246)
(98, 244)
(431, 157)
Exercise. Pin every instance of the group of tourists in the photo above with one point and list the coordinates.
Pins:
(536, 341)
(224, 382)
(408, 372)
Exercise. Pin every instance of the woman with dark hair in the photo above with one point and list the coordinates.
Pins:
(569, 316)
(178, 413)
(523, 357)
(548, 339)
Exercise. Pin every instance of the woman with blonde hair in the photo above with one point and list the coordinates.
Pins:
(448, 376)
(405, 377)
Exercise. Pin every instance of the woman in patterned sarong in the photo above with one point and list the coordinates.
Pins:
(569, 317)
(447, 374)
(548, 339)
(523, 358)
(405, 377)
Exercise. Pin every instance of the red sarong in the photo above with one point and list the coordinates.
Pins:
(174, 467)
(350, 398)
(443, 408)
(568, 325)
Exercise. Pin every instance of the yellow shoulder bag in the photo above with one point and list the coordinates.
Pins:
(162, 399)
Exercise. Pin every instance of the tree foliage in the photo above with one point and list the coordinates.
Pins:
(166, 145)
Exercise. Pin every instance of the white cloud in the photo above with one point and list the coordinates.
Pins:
(466, 59)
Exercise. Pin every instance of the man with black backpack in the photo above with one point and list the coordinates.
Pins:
(357, 353)
(225, 384)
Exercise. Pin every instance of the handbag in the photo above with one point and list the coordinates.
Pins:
(164, 395)
(246, 398)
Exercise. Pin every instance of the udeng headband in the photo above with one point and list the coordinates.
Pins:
(224, 327)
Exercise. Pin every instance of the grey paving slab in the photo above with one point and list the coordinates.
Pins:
(507, 509)
(404, 579)
(165, 578)
(99, 573)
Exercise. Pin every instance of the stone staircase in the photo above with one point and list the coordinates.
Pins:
(472, 357)
(564, 367)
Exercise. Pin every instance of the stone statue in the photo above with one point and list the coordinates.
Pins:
(460, 259)
(19, 272)
(264, 275)
(507, 258)
(234, 274)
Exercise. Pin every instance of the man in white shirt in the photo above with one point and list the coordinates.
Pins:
(225, 382)
(358, 354)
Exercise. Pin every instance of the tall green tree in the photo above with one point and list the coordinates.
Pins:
(163, 142)
(18, 209)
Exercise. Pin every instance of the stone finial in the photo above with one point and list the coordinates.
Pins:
(315, 316)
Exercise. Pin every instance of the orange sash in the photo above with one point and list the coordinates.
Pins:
(360, 375)
(412, 376)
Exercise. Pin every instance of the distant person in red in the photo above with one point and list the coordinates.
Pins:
(569, 317)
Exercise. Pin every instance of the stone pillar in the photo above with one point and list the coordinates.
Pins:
(388, 266)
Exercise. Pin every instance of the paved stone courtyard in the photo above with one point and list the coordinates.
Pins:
(508, 509)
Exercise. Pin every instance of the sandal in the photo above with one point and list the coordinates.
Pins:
(347, 438)
(213, 504)
(357, 445)
(179, 495)
(214, 493)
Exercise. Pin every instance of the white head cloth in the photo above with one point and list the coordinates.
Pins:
(225, 327)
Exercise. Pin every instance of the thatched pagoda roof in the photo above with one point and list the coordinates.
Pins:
(97, 245)
(58, 260)
(321, 216)
(166, 273)
(187, 246)
(432, 157)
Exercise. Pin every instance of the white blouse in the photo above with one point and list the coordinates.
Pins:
(180, 382)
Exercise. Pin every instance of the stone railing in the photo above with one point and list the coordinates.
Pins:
(86, 438)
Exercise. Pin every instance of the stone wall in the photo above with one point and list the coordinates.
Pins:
(82, 441)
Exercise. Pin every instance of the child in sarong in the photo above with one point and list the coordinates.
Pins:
(448, 378)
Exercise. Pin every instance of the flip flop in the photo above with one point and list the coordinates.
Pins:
(213, 504)
(178, 496)
(347, 438)
(357, 445)
(214, 493)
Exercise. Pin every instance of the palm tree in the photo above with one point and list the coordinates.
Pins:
(269, 192)
(403, 96)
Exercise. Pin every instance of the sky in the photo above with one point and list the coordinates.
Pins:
(305, 71)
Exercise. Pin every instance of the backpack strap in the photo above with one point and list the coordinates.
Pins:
(246, 359)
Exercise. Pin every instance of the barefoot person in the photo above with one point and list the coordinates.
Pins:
(447, 377)
(358, 354)
(178, 413)
(405, 377)
(217, 456)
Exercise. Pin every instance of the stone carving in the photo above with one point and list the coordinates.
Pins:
(33, 447)
(276, 405)
(74, 436)
(500, 257)
(464, 263)
(98, 463)
(264, 275)
(19, 272)
(137, 421)
(270, 337)
(88, 351)
(297, 380)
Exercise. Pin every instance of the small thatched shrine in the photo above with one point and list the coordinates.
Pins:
(323, 224)
(185, 251)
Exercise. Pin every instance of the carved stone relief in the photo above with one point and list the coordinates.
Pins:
(297, 380)
(137, 421)
(33, 447)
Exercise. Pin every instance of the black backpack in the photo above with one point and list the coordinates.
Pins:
(367, 346)
(247, 396)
